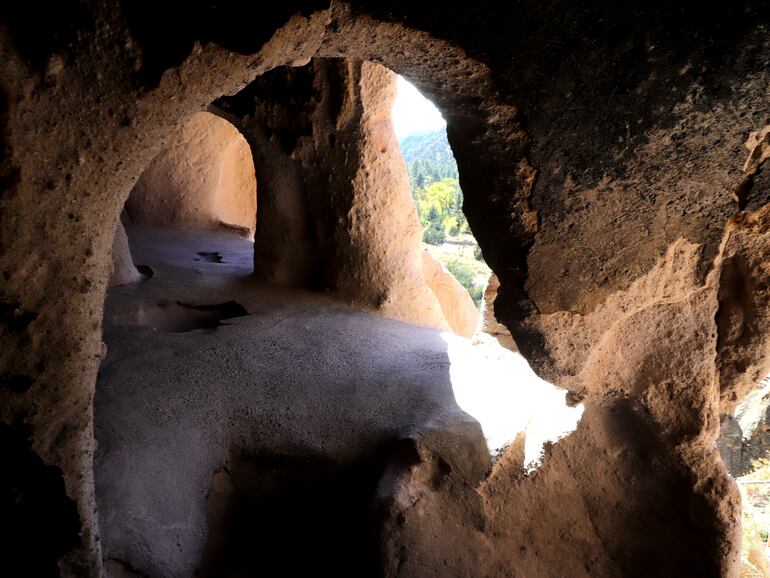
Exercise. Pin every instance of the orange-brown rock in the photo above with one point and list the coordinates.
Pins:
(456, 303)
(335, 204)
(489, 326)
(602, 156)
(203, 178)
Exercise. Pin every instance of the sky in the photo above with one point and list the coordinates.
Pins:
(412, 112)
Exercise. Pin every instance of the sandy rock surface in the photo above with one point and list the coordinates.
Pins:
(202, 179)
(603, 160)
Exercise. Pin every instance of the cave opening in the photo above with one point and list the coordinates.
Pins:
(435, 183)
(289, 343)
(744, 446)
(604, 170)
(450, 247)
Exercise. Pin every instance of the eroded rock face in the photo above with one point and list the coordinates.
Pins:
(202, 179)
(336, 211)
(490, 327)
(744, 315)
(744, 437)
(608, 220)
(730, 444)
(456, 303)
(623, 446)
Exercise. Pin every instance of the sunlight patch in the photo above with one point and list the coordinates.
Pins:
(412, 112)
(498, 388)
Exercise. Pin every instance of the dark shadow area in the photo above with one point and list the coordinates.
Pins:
(38, 522)
(146, 271)
(209, 257)
(167, 32)
(292, 516)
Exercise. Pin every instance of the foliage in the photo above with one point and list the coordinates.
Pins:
(439, 200)
(467, 279)
(760, 469)
(440, 206)
(433, 233)
(435, 182)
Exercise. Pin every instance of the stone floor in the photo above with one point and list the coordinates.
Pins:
(214, 382)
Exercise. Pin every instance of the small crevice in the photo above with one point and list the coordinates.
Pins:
(741, 192)
(145, 271)
(181, 317)
(210, 257)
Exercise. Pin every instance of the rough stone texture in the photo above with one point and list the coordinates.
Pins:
(745, 436)
(601, 152)
(90, 140)
(743, 321)
(758, 443)
(335, 188)
(288, 403)
(489, 326)
(456, 303)
(123, 269)
(753, 415)
(581, 494)
(202, 179)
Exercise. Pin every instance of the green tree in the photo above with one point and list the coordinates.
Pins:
(434, 228)
(438, 203)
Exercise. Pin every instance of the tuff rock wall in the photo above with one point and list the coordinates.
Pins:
(603, 158)
(203, 178)
(336, 211)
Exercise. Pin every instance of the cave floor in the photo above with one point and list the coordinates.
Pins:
(207, 367)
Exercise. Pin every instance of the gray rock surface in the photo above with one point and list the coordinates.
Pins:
(299, 377)
(222, 395)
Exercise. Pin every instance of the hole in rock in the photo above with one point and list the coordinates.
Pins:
(181, 317)
(483, 376)
(264, 510)
(209, 257)
(744, 445)
(145, 271)
(435, 184)
(353, 337)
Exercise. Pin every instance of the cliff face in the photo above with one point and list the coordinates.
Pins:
(611, 160)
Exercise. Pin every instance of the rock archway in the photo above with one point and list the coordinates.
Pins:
(627, 233)
(204, 178)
